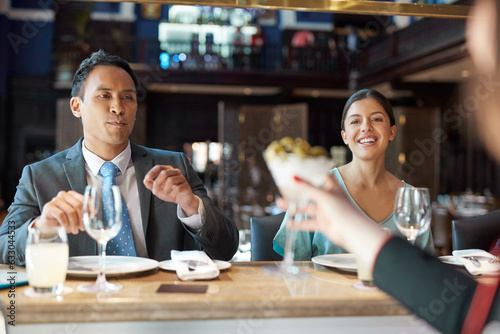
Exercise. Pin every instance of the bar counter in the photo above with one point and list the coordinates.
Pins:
(240, 293)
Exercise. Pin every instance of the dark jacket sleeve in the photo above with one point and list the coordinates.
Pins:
(434, 291)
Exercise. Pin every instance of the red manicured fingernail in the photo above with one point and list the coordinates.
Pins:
(298, 179)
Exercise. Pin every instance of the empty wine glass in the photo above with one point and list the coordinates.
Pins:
(412, 211)
(245, 241)
(101, 229)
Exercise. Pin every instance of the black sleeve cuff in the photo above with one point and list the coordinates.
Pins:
(434, 291)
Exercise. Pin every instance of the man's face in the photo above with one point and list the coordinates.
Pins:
(107, 110)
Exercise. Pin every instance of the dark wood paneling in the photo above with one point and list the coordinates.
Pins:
(174, 119)
(30, 126)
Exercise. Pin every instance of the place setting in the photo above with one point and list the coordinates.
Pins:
(47, 251)
(104, 213)
(477, 262)
(48, 262)
(194, 265)
(349, 264)
(88, 266)
(412, 212)
(345, 262)
(169, 265)
(189, 265)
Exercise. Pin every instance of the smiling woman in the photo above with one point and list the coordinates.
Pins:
(368, 125)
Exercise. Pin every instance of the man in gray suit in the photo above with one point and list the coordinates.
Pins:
(168, 204)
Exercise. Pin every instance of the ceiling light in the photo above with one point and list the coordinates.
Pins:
(402, 119)
(401, 158)
(338, 6)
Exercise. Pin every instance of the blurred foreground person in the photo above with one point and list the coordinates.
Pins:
(451, 301)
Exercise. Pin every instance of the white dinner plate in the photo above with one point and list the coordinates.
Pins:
(12, 277)
(450, 259)
(88, 266)
(169, 265)
(346, 262)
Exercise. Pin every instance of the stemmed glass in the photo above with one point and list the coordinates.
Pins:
(295, 216)
(313, 169)
(412, 211)
(244, 244)
(101, 230)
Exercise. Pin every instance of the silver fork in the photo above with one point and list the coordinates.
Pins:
(496, 259)
(473, 260)
(192, 264)
(477, 263)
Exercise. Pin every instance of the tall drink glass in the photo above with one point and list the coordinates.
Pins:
(47, 255)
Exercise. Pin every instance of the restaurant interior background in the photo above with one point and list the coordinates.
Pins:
(222, 83)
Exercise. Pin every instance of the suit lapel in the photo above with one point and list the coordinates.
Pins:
(142, 164)
(74, 168)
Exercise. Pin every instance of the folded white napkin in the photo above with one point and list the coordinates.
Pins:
(480, 264)
(194, 265)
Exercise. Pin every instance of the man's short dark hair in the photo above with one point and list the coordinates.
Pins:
(96, 59)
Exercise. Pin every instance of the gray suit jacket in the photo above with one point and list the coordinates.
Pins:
(40, 182)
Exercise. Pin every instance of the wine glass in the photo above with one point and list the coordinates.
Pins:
(412, 211)
(47, 255)
(313, 169)
(102, 229)
(244, 244)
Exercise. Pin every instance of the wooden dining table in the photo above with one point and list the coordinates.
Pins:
(242, 299)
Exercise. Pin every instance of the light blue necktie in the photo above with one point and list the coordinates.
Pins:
(123, 243)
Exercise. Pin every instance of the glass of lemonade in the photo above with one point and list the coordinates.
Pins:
(47, 255)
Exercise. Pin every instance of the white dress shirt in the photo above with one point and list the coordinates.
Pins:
(127, 182)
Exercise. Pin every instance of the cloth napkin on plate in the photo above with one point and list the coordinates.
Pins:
(478, 261)
(194, 265)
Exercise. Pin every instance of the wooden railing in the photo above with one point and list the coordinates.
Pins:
(387, 57)
(424, 44)
(207, 57)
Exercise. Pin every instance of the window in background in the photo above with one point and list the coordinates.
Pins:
(205, 158)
